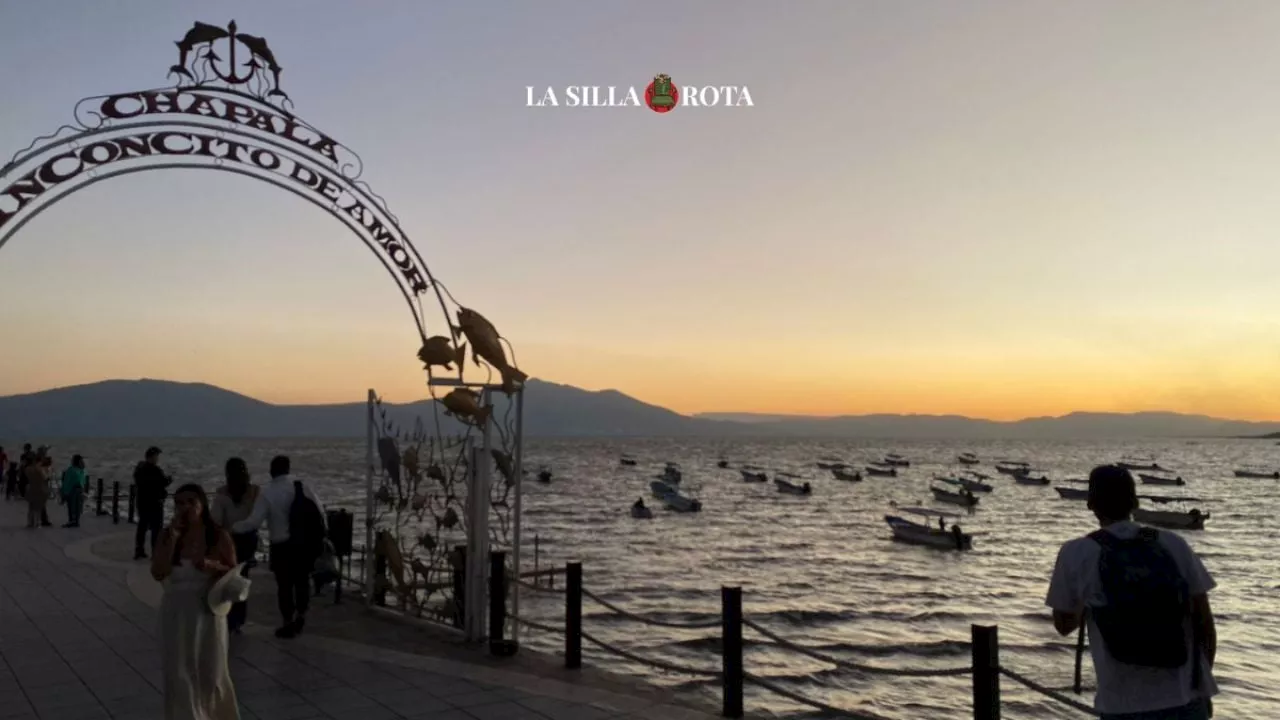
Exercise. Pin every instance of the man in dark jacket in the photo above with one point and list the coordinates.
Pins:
(150, 487)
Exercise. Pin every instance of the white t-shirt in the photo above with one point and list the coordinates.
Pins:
(1124, 688)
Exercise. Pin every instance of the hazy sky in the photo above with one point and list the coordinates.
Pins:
(997, 209)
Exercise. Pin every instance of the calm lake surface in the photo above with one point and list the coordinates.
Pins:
(821, 570)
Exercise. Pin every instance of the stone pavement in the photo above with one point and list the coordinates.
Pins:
(78, 642)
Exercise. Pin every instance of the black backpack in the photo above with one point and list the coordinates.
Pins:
(1148, 601)
(306, 526)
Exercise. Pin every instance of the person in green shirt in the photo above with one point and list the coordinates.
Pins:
(75, 484)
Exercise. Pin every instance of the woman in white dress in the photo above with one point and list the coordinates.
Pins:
(192, 553)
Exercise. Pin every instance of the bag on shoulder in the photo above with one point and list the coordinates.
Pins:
(306, 526)
(1147, 601)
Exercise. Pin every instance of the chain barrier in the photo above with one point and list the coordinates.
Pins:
(1047, 692)
(538, 626)
(540, 589)
(698, 625)
(903, 672)
(797, 697)
(661, 665)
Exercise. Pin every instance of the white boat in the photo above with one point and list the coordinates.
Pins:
(641, 512)
(966, 483)
(1158, 480)
(967, 458)
(1191, 520)
(896, 460)
(680, 503)
(831, 465)
(756, 477)
(1258, 474)
(846, 475)
(915, 533)
(1028, 480)
(1013, 468)
(1140, 464)
(880, 472)
(963, 499)
(791, 488)
(1067, 493)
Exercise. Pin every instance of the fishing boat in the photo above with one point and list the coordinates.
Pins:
(966, 483)
(672, 498)
(1029, 480)
(844, 474)
(749, 476)
(661, 490)
(896, 460)
(1258, 474)
(976, 474)
(967, 458)
(790, 488)
(640, 512)
(671, 474)
(544, 476)
(1067, 493)
(1160, 480)
(626, 460)
(1173, 520)
(830, 465)
(963, 499)
(1140, 464)
(1013, 468)
(880, 472)
(915, 533)
(722, 463)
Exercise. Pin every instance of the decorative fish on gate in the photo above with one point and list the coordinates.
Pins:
(437, 350)
(464, 404)
(486, 343)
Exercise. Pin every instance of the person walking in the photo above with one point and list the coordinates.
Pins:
(150, 490)
(191, 554)
(24, 461)
(1144, 597)
(232, 503)
(295, 523)
(38, 475)
(74, 486)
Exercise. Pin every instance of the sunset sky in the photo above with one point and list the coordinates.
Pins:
(998, 209)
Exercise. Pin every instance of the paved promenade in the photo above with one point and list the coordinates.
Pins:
(77, 642)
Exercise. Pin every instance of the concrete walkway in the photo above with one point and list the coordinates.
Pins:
(77, 642)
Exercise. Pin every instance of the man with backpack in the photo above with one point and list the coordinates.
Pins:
(295, 522)
(151, 487)
(1144, 596)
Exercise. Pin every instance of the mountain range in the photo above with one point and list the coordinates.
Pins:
(160, 408)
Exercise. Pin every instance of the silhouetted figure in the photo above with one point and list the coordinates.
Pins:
(232, 503)
(150, 489)
(75, 485)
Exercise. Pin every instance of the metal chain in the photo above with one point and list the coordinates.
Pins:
(903, 672)
(698, 625)
(661, 665)
(829, 709)
(1048, 692)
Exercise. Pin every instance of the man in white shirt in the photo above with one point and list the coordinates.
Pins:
(1156, 614)
(292, 571)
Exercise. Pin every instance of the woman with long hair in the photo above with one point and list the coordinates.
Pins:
(192, 553)
(39, 473)
(232, 503)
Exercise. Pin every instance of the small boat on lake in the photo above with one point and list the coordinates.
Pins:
(1029, 480)
(1067, 493)
(841, 473)
(896, 460)
(967, 458)
(661, 489)
(1257, 474)
(790, 488)
(1140, 464)
(964, 498)
(671, 474)
(672, 498)
(1160, 480)
(915, 533)
(640, 512)
(722, 463)
(626, 460)
(1191, 520)
(754, 477)
(1013, 468)
(966, 483)
(880, 472)
(544, 476)
(830, 465)
(977, 475)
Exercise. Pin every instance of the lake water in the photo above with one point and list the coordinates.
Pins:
(821, 570)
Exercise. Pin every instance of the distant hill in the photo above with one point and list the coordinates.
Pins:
(159, 408)
(1268, 436)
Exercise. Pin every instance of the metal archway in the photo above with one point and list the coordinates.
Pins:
(229, 114)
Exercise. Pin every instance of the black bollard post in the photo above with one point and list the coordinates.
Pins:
(731, 612)
(133, 499)
(498, 604)
(115, 502)
(100, 512)
(573, 616)
(986, 672)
